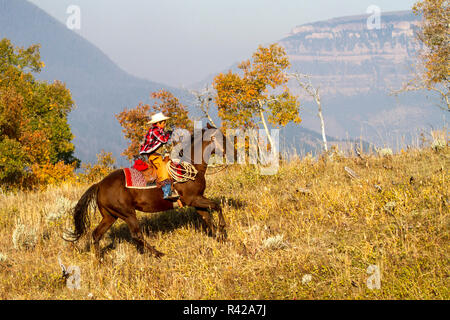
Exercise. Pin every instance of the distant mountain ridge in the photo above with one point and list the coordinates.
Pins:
(348, 58)
(353, 66)
(356, 70)
(99, 87)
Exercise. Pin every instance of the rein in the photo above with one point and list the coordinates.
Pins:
(188, 169)
(221, 166)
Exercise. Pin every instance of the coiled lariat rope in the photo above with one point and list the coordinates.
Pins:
(188, 171)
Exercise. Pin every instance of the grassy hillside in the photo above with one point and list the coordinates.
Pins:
(309, 232)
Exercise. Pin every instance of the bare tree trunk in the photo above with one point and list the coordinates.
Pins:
(204, 97)
(266, 128)
(304, 80)
(269, 137)
(322, 123)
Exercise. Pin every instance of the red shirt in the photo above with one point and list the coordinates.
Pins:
(154, 138)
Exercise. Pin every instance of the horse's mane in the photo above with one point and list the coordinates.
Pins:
(192, 142)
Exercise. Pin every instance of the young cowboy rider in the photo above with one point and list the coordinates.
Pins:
(154, 139)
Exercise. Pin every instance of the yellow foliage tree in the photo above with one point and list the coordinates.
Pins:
(94, 172)
(245, 100)
(35, 137)
(435, 36)
(51, 174)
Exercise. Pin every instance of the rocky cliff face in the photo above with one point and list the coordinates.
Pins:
(347, 58)
(356, 69)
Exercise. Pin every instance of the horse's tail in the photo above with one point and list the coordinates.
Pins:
(81, 214)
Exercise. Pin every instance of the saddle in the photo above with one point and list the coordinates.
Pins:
(148, 171)
(143, 174)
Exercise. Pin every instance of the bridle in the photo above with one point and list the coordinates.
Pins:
(204, 165)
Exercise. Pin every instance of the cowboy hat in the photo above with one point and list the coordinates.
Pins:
(157, 118)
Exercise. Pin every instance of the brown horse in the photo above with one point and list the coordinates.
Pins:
(115, 201)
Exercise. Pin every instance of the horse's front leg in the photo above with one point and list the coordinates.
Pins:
(207, 221)
(204, 207)
(222, 235)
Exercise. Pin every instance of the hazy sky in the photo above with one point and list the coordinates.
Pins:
(179, 42)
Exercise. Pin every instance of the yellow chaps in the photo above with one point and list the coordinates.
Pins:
(161, 168)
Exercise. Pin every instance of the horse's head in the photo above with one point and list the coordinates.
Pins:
(197, 147)
(214, 140)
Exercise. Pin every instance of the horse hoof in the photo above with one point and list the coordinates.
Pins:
(100, 260)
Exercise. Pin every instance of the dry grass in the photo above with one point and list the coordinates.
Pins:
(309, 232)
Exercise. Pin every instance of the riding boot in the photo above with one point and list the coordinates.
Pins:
(167, 190)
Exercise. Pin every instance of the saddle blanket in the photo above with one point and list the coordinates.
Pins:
(135, 179)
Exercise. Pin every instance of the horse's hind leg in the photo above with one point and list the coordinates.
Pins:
(105, 224)
(138, 237)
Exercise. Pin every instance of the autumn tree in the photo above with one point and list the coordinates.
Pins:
(435, 35)
(245, 100)
(34, 133)
(433, 71)
(94, 172)
(135, 121)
